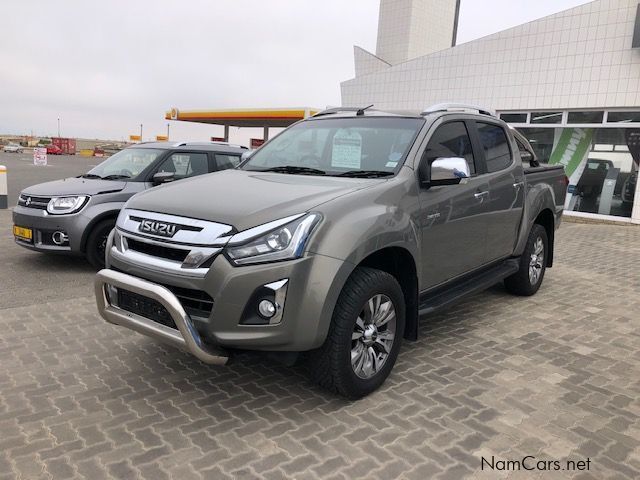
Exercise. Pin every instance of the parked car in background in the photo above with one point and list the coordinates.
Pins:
(13, 148)
(53, 149)
(333, 238)
(75, 215)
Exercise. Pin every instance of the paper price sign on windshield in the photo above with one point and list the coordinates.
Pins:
(347, 150)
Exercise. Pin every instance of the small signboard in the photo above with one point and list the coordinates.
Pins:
(256, 143)
(218, 139)
(162, 138)
(40, 156)
(135, 138)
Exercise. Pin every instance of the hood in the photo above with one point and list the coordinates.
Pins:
(74, 186)
(244, 199)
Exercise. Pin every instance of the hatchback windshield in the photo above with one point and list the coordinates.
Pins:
(127, 163)
(361, 146)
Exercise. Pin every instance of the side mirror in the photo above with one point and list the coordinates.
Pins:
(447, 171)
(246, 155)
(527, 157)
(163, 177)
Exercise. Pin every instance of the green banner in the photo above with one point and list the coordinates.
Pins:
(572, 148)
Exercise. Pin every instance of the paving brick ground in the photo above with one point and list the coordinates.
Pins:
(555, 376)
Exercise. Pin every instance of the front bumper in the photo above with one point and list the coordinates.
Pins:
(312, 288)
(44, 224)
(186, 337)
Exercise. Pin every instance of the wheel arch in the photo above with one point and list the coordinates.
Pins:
(546, 220)
(110, 214)
(400, 263)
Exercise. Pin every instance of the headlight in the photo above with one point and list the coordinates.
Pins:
(62, 205)
(284, 242)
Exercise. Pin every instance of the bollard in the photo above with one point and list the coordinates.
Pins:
(4, 203)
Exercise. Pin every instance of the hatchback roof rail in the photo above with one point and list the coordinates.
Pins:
(458, 107)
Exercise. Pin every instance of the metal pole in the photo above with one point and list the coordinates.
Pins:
(226, 133)
(265, 135)
(168, 125)
(140, 132)
(58, 127)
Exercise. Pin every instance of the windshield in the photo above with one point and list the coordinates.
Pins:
(361, 146)
(127, 163)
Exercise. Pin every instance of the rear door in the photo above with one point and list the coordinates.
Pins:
(452, 216)
(505, 176)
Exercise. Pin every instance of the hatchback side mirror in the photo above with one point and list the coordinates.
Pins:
(447, 171)
(163, 177)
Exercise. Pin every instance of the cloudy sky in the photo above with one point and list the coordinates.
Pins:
(104, 68)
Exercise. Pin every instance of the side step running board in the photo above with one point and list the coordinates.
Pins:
(446, 296)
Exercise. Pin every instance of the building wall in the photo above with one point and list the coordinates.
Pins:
(412, 28)
(579, 58)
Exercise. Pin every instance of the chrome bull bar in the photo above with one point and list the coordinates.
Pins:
(185, 338)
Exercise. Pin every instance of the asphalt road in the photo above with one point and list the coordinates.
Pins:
(22, 173)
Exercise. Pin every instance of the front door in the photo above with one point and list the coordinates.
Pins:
(452, 219)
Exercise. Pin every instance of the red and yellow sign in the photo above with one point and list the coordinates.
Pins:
(162, 138)
(135, 138)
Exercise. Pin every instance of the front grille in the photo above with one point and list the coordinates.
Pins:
(154, 250)
(33, 202)
(145, 307)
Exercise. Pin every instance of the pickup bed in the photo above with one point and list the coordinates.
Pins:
(334, 238)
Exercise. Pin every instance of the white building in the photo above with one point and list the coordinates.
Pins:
(569, 81)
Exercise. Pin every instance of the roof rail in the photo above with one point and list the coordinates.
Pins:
(458, 107)
(329, 111)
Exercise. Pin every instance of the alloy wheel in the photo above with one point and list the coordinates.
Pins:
(373, 335)
(536, 261)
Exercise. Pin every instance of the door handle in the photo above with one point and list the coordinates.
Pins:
(481, 195)
(518, 184)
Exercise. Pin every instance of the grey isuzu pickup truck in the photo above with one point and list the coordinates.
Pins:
(334, 238)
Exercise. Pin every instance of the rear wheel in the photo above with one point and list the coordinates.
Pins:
(364, 336)
(527, 280)
(97, 242)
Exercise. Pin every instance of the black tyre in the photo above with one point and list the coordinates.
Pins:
(533, 263)
(364, 336)
(97, 241)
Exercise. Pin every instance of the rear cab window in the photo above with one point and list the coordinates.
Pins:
(495, 144)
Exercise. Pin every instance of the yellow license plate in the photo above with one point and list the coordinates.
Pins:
(23, 233)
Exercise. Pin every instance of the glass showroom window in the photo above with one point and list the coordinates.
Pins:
(601, 163)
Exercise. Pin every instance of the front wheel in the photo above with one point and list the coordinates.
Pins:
(364, 336)
(533, 264)
(97, 243)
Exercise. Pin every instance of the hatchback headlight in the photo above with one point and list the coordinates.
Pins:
(285, 242)
(62, 205)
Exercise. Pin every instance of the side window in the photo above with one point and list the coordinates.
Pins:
(451, 140)
(225, 161)
(186, 164)
(496, 146)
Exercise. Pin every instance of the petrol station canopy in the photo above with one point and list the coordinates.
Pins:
(244, 117)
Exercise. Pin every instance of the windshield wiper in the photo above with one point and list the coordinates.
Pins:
(365, 173)
(295, 169)
(115, 177)
(90, 175)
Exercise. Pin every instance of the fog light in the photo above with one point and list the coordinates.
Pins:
(266, 308)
